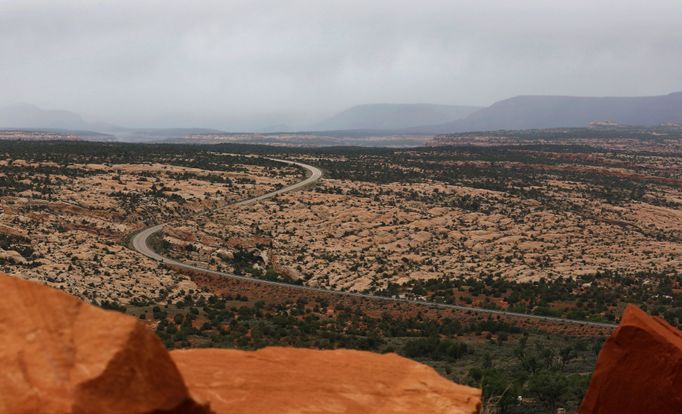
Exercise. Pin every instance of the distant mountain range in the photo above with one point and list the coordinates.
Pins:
(521, 112)
(26, 117)
(393, 116)
(535, 112)
(30, 116)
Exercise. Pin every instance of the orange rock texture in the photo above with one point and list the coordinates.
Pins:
(61, 355)
(288, 381)
(639, 369)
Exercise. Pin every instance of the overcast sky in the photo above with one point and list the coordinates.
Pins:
(189, 62)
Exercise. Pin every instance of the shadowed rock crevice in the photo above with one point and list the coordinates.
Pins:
(139, 365)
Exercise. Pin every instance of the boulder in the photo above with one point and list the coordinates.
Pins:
(639, 369)
(288, 380)
(61, 355)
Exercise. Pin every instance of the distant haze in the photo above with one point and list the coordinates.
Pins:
(244, 65)
(394, 116)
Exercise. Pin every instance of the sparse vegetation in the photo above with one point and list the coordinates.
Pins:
(571, 227)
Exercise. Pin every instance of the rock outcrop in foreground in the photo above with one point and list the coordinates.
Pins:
(61, 355)
(305, 381)
(639, 369)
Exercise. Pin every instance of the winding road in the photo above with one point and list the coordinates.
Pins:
(140, 243)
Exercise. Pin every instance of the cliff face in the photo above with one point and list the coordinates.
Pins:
(305, 381)
(639, 369)
(60, 355)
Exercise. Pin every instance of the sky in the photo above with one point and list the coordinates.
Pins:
(231, 62)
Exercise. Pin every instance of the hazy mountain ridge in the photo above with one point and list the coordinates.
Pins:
(517, 113)
(30, 116)
(538, 111)
(393, 116)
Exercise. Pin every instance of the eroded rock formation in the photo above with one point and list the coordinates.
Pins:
(639, 369)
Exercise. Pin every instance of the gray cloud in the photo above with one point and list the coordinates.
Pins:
(215, 62)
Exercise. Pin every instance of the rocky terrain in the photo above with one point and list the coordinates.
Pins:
(61, 355)
(549, 229)
(360, 236)
(65, 224)
(506, 217)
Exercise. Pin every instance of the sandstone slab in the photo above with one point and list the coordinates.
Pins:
(288, 381)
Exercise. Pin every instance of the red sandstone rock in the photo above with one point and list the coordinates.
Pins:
(639, 369)
(61, 355)
(286, 380)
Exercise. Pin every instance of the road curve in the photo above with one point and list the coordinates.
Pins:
(139, 243)
(139, 240)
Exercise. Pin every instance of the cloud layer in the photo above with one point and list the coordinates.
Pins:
(219, 63)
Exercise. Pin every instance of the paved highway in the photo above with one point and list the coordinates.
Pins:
(139, 243)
